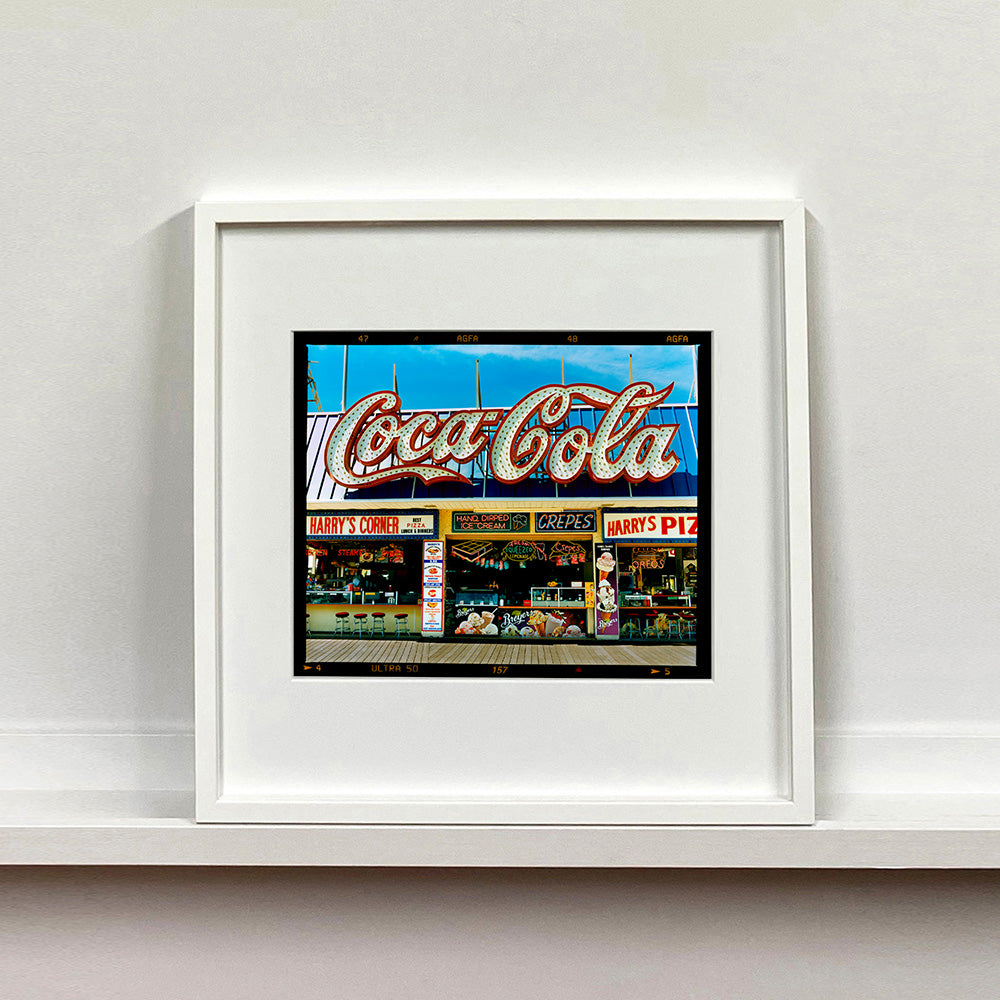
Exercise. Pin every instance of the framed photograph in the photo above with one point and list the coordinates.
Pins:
(502, 513)
(501, 505)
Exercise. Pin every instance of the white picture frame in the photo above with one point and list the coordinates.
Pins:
(735, 750)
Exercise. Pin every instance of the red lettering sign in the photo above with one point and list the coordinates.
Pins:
(530, 436)
(679, 524)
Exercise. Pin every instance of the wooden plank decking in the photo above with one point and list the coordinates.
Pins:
(570, 653)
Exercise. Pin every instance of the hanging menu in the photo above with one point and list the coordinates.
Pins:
(432, 579)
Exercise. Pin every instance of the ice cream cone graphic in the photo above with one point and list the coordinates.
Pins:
(605, 564)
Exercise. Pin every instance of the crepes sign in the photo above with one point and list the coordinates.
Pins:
(372, 443)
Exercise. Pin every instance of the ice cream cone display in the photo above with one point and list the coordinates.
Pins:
(477, 624)
(516, 623)
(607, 615)
(537, 620)
(605, 564)
(555, 626)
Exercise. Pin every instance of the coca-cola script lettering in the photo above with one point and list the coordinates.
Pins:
(372, 443)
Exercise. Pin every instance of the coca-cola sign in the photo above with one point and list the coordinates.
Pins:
(372, 443)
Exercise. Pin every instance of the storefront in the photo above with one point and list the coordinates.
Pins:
(363, 570)
(456, 522)
(527, 585)
(560, 578)
(615, 574)
(648, 574)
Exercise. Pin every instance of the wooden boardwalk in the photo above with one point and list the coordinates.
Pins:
(524, 652)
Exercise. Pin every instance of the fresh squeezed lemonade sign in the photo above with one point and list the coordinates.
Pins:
(520, 441)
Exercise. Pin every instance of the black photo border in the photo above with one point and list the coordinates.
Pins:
(322, 670)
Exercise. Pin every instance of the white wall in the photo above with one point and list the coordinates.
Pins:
(118, 115)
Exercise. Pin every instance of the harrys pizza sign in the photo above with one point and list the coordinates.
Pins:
(645, 525)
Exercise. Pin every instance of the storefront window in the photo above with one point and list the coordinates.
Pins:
(658, 590)
(518, 588)
(352, 572)
(659, 571)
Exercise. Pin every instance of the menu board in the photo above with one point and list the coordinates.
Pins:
(432, 608)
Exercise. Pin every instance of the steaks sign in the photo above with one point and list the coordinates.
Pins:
(518, 441)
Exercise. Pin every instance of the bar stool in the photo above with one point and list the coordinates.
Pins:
(378, 621)
(340, 622)
(360, 623)
(673, 629)
(651, 626)
(630, 627)
(402, 627)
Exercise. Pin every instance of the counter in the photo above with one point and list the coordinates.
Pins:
(323, 617)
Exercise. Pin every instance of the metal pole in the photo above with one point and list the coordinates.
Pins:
(343, 391)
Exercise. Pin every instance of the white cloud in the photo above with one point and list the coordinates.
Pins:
(658, 365)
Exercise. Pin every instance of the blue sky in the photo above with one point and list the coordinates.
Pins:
(444, 375)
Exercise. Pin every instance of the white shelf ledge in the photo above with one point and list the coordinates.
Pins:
(155, 828)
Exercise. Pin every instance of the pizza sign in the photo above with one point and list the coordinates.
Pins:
(365, 524)
(661, 525)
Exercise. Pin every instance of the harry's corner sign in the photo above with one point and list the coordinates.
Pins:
(369, 524)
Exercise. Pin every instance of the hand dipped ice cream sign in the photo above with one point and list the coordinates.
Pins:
(372, 443)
